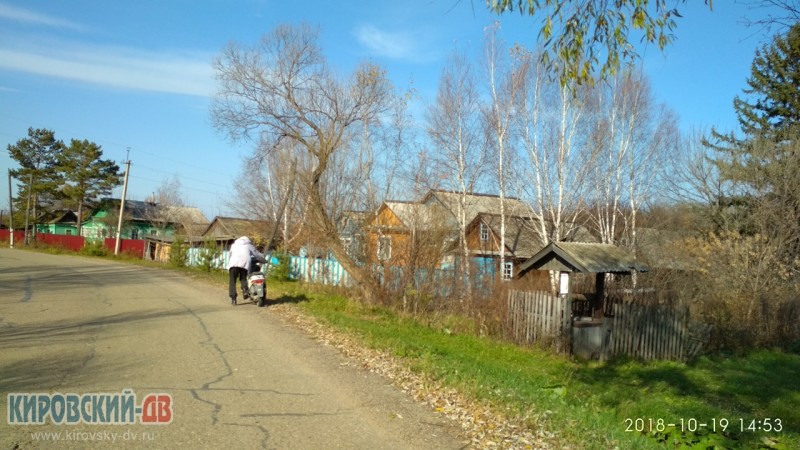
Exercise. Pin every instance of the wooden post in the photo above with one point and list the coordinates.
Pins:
(566, 315)
(599, 301)
(10, 212)
(122, 207)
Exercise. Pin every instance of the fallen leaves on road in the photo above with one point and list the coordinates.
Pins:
(485, 426)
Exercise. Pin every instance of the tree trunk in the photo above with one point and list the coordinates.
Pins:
(369, 287)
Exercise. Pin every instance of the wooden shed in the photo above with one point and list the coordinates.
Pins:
(578, 257)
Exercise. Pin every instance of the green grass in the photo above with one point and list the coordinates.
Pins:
(589, 402)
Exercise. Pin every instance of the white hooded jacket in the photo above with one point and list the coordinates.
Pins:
(240, 252)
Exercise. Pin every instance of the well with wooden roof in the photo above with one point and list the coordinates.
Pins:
(578, 257)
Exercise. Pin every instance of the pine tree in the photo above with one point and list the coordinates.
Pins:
(763, 162)
(769, 114)
(38, 176)
(87, 175)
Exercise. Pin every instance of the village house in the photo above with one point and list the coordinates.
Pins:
(426, 233)
(220, 233)
(523, 239)
(140, 219)
(62, 223)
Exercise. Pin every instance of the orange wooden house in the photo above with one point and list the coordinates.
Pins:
(404, 234)
(425, 233)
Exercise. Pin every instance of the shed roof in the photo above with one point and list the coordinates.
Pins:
(234, 227)
(584, 258)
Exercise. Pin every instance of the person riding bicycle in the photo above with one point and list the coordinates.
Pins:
(241, 254)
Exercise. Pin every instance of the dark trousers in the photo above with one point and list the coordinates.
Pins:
(235, 273)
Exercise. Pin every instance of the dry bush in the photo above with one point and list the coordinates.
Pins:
(745, 290)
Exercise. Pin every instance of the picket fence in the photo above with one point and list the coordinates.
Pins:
(316, 270)
(642, 331)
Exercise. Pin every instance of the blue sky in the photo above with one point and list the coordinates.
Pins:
(137, 75)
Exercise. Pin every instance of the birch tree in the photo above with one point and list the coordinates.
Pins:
(282, 89)
(503, 83)
(630, 137)
(454, 129)
(587, 39)
(551, 120)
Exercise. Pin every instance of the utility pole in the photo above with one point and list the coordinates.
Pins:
(25, 240)
(122, 203)
(10, 211)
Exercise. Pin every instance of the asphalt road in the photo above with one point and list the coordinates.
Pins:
(217, 376)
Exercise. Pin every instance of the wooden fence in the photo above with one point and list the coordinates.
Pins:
(637, 330)
(656, 332)
(538, 317)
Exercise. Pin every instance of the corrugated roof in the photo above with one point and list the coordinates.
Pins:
(475, 204)
(413, 215)
(523, 240)
(596, 258)
(523, 234)
(585, 258)
(232, 227)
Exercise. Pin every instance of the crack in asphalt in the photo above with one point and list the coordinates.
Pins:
(206, 387)
(261, 428)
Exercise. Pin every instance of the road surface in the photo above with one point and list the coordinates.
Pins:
(179, 368)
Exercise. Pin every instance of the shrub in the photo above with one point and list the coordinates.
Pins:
(208, 254)
(178, 254)
(745, 290)
(94, 248)
(282, 270)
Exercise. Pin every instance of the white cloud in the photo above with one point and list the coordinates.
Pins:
(396, 45)
(33, 18)
(116, 67)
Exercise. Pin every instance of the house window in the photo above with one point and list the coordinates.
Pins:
(384, 248)
(484, 232)
(68, 232)
(134, 234)
(508, 270)
(350, 246)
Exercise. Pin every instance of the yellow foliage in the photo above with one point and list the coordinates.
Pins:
(744, 288)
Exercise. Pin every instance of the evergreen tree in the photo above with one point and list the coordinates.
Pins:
(38, 176)
(87, 175)
(763, 162)
(770, 112)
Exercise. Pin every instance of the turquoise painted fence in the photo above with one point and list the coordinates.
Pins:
(321, 271)
(441, 281)
(330, 272)
(194, 257)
